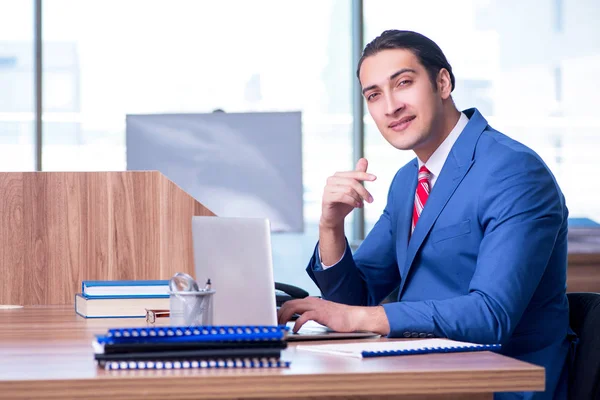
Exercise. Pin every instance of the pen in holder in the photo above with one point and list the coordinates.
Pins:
(189, 305)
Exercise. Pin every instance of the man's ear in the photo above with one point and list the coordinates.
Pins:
(444, 83)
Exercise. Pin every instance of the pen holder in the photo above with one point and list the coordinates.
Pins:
(191, 308)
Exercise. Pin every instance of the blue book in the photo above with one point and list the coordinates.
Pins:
(123, 289)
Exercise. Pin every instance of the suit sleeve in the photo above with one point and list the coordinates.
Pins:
(521, 212)
(366, 278)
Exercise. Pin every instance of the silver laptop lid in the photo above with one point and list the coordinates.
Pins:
(235, 253)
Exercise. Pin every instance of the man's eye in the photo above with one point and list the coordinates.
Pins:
(404, 82)
(372, 96)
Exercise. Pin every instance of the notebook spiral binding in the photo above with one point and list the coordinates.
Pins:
(429, 350)
(197, 333)
(193, 364)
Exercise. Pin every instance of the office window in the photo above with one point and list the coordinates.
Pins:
(105, 59)
(532, 81)
(17, 101)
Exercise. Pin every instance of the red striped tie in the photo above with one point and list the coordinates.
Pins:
(421, 195)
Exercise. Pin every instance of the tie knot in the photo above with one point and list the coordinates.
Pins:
(424, 174)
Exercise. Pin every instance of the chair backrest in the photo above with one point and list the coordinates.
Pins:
(584, 316)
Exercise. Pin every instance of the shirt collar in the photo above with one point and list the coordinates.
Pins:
(439, 156)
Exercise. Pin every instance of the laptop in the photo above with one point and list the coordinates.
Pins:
(235, 254)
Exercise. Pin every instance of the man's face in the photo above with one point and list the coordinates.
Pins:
(402, 100)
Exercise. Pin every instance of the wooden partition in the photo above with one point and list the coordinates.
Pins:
(59, 228)
(583, 274)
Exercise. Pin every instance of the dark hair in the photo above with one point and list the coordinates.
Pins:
(426, 50)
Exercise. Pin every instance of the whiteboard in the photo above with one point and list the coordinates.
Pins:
(236, 164)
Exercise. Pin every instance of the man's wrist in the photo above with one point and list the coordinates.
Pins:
(332, 243)
(371, 319)
(328, 228)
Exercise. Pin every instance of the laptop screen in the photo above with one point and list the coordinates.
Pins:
(235, 253)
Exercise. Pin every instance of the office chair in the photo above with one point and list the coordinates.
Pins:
(584, 317)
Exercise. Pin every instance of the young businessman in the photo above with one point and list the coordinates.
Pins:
(473, 236)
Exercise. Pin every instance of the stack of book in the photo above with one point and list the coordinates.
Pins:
(121, 299)
(191, 347)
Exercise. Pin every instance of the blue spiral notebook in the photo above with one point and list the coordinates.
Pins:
(397, 348)
(192, 334)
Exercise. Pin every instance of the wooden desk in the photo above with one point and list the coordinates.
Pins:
(46, 352)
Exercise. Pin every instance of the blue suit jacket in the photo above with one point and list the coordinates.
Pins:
(486, 262)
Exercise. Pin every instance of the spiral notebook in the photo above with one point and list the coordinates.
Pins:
(397, 348)
(193, 364)
(183, 355)
(185, 347)
(192, 334)
(155, 347)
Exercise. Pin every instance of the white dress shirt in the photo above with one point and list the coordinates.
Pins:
(435, 162)
(439, 156)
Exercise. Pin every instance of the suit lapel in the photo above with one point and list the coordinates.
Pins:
(442, 191)
(458, 163)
